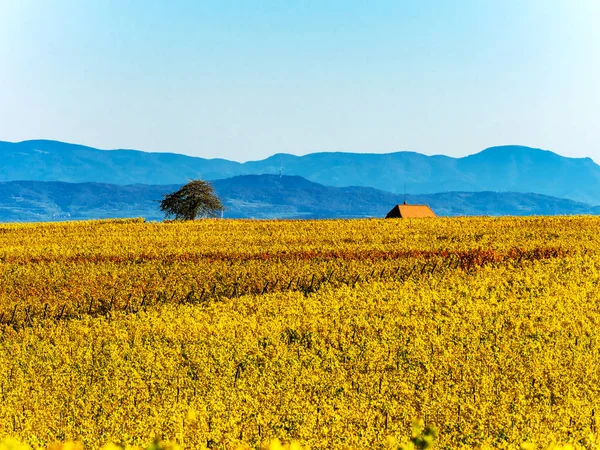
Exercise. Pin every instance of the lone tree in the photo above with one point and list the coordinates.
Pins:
(196, 199)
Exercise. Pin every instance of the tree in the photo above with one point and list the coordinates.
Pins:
(196, 199)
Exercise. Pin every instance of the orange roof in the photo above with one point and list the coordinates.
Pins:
(410, 211)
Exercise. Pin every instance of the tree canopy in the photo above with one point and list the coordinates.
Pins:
(195, 199)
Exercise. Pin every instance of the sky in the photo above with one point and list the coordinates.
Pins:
(243, 80)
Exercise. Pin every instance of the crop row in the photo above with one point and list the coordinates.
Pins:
(332, 334)
(502, 355)
(35, 292)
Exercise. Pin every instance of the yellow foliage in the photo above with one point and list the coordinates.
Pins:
(66, 446)
(301, 334)
(13, 444)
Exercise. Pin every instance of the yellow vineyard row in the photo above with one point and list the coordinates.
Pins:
(68, 270)
(332, 334)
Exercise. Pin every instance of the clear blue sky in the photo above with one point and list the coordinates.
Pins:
(246, 79)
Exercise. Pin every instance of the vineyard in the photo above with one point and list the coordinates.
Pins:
(330, 334)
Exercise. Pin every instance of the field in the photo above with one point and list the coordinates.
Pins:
(332, 334)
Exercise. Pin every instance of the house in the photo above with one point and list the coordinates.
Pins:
(410, 211)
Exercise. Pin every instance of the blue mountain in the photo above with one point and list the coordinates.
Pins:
(258, 196)
(500, 169)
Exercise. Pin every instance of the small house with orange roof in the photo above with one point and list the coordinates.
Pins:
(405, 211)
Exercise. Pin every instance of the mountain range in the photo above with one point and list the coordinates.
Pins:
(258, 196)
(499, 169)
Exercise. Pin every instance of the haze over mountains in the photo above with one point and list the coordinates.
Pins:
(257, 196)
(49, 180)
(501, 169)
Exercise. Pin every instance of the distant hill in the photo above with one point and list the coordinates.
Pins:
(503, 169)
(41, 201)
(258, 196)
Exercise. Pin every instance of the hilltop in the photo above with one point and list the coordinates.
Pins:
(501, 169)
(258, 196)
